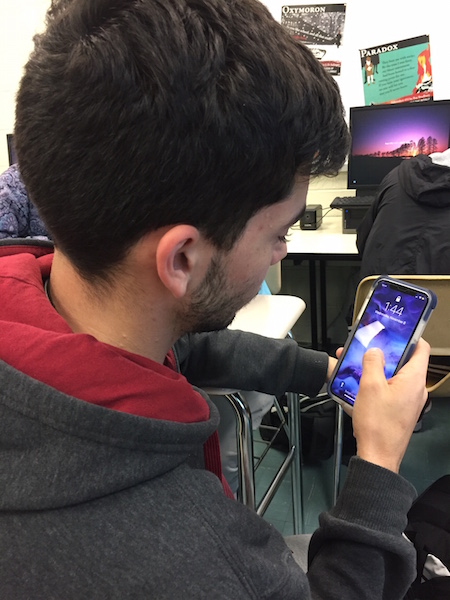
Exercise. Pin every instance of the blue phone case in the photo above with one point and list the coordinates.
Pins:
(392, 318)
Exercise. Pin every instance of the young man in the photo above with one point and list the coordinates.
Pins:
(168, 147)
(226, 359)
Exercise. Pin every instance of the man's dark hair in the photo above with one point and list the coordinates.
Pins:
(137, 114)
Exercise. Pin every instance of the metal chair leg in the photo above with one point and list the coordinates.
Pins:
(246, 491)
(338, 434)
(293, 460)
(246, 473)
(293, 402)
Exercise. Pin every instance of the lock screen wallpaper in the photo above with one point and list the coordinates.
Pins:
(388, 323)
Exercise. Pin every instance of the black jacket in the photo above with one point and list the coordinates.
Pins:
(407, 229)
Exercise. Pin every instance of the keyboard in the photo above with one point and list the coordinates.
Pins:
(346, 201)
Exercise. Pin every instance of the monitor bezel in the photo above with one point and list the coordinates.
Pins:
(11, 152)
(372, 187)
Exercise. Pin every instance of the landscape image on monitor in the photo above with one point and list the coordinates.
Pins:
(384, 136)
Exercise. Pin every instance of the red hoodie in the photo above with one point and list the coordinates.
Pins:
(38, 342)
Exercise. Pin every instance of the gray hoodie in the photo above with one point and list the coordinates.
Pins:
(98, 504)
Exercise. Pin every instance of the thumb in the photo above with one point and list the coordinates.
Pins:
(372, 367)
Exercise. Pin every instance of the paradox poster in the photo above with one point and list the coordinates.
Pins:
(397, 72)
(319, 26)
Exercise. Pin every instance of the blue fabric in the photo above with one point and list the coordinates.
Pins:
(264, 289)
(18, 216)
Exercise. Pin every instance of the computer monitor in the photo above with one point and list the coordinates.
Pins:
(386, 134)
(11, 152)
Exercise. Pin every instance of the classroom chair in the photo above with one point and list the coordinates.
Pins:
(272, 316)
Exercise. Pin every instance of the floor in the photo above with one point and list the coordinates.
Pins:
(426, 459)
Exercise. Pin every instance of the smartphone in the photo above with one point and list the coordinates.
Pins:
(392, 318)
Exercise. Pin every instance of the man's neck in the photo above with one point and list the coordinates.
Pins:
(121, 315)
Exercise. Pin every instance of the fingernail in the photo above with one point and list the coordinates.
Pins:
(374, 350)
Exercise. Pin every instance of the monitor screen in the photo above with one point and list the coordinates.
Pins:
(384, 135)
(11, 152)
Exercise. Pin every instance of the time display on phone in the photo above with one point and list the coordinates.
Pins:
(395, 309)
(388, 322)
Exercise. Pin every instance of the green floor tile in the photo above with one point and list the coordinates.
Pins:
(427, 458)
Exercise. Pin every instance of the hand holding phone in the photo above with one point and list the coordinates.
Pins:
(383, 427)
(392, 318)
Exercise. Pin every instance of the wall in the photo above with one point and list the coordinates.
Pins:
(19, 21)
(375, 23)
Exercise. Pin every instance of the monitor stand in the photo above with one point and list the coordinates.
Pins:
(366, 191)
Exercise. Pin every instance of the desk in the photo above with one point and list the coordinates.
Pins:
(319, 246)
(271, 316)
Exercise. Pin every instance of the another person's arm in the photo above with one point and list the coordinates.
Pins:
(13, 203)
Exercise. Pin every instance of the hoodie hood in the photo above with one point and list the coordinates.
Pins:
(59, 451)
(426, 179)
(61, 442)
(44, 347)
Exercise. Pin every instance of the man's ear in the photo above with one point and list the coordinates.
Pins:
(181, 258)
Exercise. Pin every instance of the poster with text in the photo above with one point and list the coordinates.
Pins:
(319, 26)
(397, 72)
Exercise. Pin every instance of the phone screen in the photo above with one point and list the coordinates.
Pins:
(388, 322)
